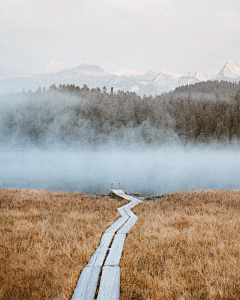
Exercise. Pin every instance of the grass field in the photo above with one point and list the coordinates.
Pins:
(183, 246)
(46, 239)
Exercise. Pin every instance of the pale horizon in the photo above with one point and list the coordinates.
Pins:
(146, 35)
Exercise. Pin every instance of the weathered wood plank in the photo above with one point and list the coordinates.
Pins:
(110, 280)
(115, 252)
(116, 225)
(110, 283)
(122, 211)
(128, 225)
(121, 193)
(99, 255)
(87, 283)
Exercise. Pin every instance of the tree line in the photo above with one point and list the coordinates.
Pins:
(73, 116)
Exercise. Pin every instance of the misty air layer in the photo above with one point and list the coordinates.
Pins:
(148, 171)
(80, 139)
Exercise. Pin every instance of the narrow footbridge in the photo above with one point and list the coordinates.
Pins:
(100, 279)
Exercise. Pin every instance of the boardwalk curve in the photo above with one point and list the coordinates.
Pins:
(103, 267)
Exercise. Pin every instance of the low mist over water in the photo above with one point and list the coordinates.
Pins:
(149, 172)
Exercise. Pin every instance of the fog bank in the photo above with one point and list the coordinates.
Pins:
(149, 172)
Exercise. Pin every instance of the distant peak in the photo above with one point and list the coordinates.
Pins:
(232, 63)
(150, 75)
(231, 69)
(193, 73)
(197, 74)
(170, 73)
(89, 69)
(84, 64)
(54, 67)
(123, 71)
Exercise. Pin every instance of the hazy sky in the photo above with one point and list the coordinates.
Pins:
(145, 34)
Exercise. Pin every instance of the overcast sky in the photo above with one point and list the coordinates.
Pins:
(146, 34)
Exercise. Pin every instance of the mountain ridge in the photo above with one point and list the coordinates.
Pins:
(230, 69)
(126, 79)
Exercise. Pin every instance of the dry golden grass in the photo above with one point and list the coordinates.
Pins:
(186, 246)
(46, 239)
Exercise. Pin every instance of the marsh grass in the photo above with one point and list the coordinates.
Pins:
(46, 239)
(186, 246)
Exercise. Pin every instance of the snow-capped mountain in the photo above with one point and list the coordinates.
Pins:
(197, 74)
(193, 73)
(60, 68)
(129, 72)
(172, 74)
(230, 70)
(150, 83)
(54, 67)
(85, 69)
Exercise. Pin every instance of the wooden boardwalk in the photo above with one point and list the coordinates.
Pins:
(103, 267)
